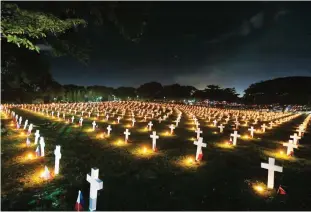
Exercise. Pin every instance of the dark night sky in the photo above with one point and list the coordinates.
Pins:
(232, 44)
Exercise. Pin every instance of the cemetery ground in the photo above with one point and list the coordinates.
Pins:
(133, 180)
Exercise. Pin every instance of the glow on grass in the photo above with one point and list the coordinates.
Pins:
(89, 130)
(143, 151)
(225, 145)
(261, 189)
(192, 139)
(279, 154)
(246, 137)
(119, 143)
(145, 129)
(188, 162)
(166, 134)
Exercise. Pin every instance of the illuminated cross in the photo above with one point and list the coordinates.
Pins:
(20, 120)
(172, 127)
(95, 185)
(94, 124)
(252, 131)
(42, 145)
(26, 123)
(127, 133)
(154, 140)
(133, 121)
(199, 145)
(107, 117)
(263, 127)
(81, 121)
(271, 169)
(160, 119)
(72, 118)
(150, 125)
(90, 114)
(177, 122)
(290, 147)
(37, 135)
(237, 124)
(300, 130)
(215, 122)
(58, 156)
(221, 127)
(109, 129)
(198, 131)
(235, 135)
(118, 119)
(295, 138)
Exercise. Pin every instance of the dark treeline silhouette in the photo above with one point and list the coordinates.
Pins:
(289, 90)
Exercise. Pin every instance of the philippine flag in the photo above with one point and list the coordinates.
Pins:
(27, 142)
(38, 152)
(80, 202)
(200, 156)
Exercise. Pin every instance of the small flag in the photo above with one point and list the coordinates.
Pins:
(281, 191)
(38, 152)
(80, 202)
(27, 142)
(200, 157)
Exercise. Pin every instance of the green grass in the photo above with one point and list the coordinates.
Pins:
(158, 182)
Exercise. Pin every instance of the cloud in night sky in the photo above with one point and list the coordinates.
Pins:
(262, 45)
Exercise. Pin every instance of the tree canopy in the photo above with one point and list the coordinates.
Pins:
(287, 90)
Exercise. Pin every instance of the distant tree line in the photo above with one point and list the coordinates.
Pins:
(289, 90)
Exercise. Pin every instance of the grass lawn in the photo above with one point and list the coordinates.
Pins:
(156, 181)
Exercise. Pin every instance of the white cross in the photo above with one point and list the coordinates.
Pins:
(160, 119)
(295, 138)
(237, 124)
(263, 127)
(199, 145)
(26, 123)
(198, 131)
(109, 129)
(95, 185)
(37, 135)
(290, 146)
(154, 140)
(271, 169)
(235, 135)
(81, 121)
(58, 156)
(177, 122)
(107, 117)
(215, 122)
(172, 127)
(119, 119)
(127, 133)
(221, 128)
(300, 130)
(72, 118)
(20, 120)
(42, 145)
(133, 122)
(94, 124)
(150, 125)
(252, 131)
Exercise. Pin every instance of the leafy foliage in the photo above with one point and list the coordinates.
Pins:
(23, 27)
